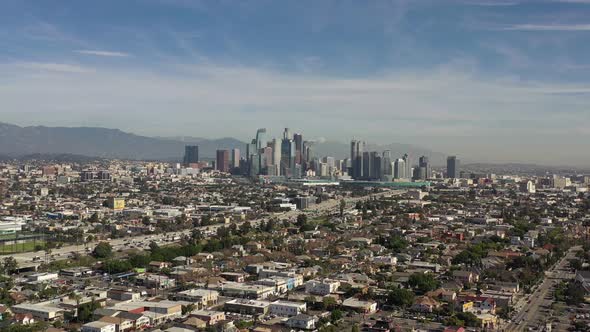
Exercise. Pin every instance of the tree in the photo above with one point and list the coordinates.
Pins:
(103, 250)
(188, 308)
(329, 303)
(9, 265)
(423, 282)
(301, 220)
(146, 220)
(335, 316)
(342, 207)
(93, 218)
(401, 297)
(469, 318)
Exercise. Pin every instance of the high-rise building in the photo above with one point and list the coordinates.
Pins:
(453, 166)
(276, 155)
(399, 169)
(191, 154)
(356, 159)
(298, 138)
(261, 138)
(386, 168)
(287, 156)
(424, 171)
(235, 158)
(222, 161)
(408, 164)
(267, 157)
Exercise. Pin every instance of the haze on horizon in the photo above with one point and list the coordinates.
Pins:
(491, 81)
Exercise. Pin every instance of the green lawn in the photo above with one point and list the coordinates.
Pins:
(20, 247)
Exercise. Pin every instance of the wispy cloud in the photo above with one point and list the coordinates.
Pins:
(103, 53)
(548, 27)
(490, 3)
(54, 67)
(575, 1)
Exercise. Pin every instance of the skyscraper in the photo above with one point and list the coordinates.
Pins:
(453, 165)
(399, 169)
(287, 155)
(235, 158)
(356, 159)
(276, 155)
(408, 165)
(261, 138)
(191, 154)
(222, 162)
(298, 138)
(386, 168)
(423, 168)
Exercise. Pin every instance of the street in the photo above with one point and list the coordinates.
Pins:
(532, 310)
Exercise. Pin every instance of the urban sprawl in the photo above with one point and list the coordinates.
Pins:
(275, 238)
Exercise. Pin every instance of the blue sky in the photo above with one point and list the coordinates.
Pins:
(489, 80)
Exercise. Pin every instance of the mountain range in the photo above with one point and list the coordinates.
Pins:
(17, 141)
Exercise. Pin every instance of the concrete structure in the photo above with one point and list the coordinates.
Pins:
(287, 309)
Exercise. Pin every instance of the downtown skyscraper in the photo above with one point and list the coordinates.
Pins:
(356, 159)
(453, 165)
(191, 154)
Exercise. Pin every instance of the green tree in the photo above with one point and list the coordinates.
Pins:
(9, 265)
(301, 220)
(342, 207)
(335, 316)
(103, 250)
(423, 282)
(401, 297)
(188, 308)
(329, 303)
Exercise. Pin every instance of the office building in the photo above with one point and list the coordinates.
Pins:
(235, 158)
(276, 156)
(399, 169)
(191, 154)
(453, 167)
(222, 161)
(299, 152)
(356, 158)
(261, 138)
(423, 171)
(287, 154)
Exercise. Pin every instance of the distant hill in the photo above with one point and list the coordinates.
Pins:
(18, 142)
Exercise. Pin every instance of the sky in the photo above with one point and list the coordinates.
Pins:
(487, 80)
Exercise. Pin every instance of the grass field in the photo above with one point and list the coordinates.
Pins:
(20, 247)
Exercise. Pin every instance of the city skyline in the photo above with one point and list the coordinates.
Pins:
(501, 81)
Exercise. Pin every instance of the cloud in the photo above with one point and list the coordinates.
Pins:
(426, 107)
(491, 3)
(53, 67)
(574, 1)
(548, 27)
(103, 53)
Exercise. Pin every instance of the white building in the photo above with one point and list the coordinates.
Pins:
(287, 309)
(323, 287)
(98, 326)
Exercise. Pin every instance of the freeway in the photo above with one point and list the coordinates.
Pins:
(143, 241)
(532, 310)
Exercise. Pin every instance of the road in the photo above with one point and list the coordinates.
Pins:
(143, 241)
(531, 310)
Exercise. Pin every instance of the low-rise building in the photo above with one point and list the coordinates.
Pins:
(287, 308)
(98, 326)
(247, 307)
